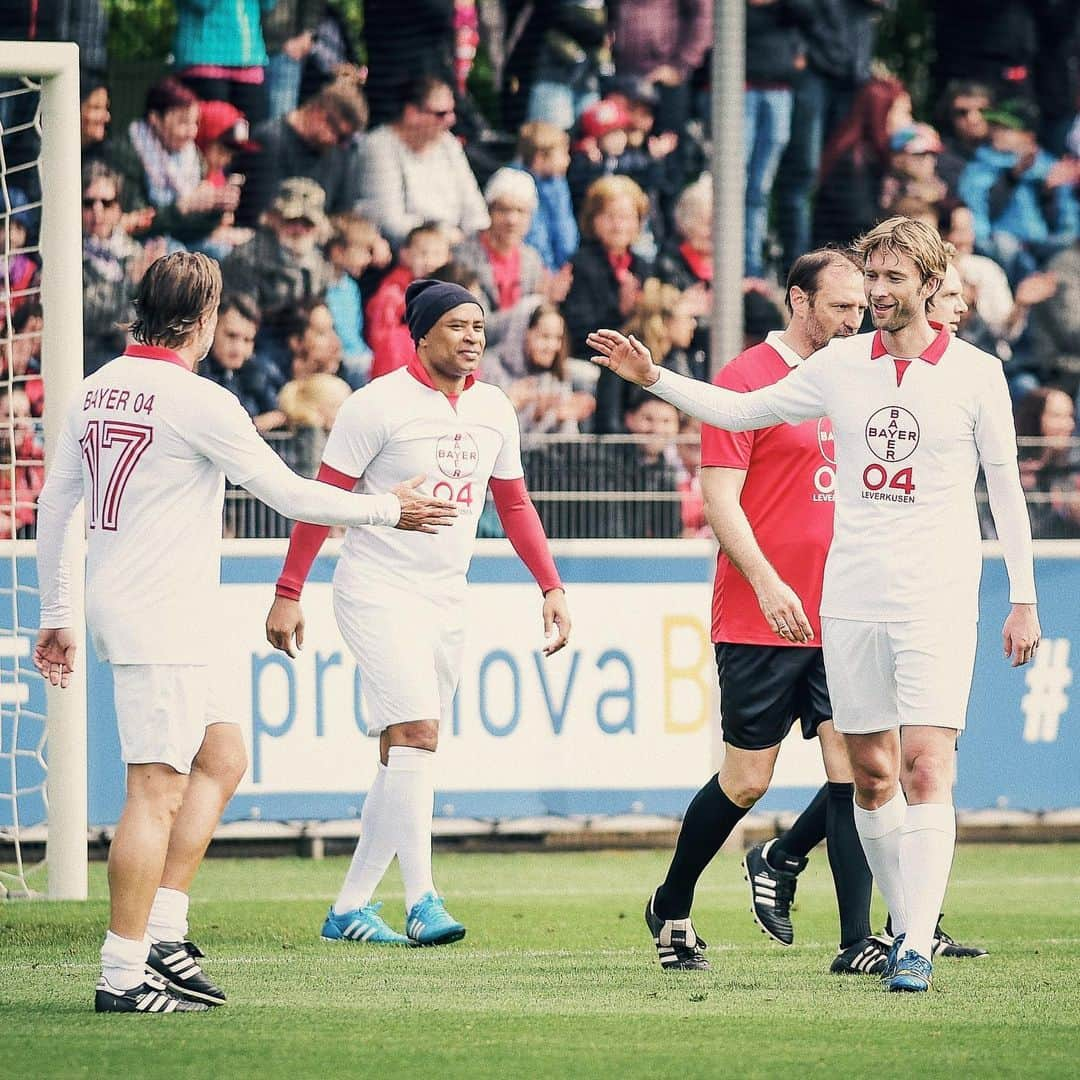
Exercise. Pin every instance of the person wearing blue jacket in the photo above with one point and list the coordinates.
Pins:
(1021, 197)
(220, 53)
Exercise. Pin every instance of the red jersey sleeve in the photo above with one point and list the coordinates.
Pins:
(306, 540)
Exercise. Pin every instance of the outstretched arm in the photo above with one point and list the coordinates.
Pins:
(790, 401)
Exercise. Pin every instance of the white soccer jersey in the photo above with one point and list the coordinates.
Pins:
(148, 444)
(400, 426)
(909, 437)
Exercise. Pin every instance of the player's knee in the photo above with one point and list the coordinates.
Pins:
(745, 790)
(158, 793)
(421, 734)
(927, 778)
(874, 779)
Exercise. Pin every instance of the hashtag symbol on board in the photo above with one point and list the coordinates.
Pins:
(1046, 700)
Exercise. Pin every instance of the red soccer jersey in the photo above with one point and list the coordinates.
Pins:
(787, 498)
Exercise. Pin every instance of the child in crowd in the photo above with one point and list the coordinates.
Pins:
(18, 279)
(22, 464)
(538, 383)
(426, 248)
(21, 356)
(695, 525)
(314, 347)
(544, 150)
(223, 133)
(355, 244)
(310, 404)
(233, 363)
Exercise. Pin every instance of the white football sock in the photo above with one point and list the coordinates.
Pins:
(879, 831)
(927, 843)
(123, 961)
(374, 850)
(410, 791)
(168, 916)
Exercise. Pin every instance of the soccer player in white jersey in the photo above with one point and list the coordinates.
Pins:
(147, 445)
(915, 412)
(399, 604)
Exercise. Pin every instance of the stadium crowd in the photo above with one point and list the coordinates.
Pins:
(580, 198)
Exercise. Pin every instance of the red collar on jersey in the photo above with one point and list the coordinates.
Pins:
(931, 354)
(156, 352)
(420, 374)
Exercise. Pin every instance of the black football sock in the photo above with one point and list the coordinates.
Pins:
(806, 832)
(709, 819)
(851, 874)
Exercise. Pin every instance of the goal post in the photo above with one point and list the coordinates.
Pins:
(55, 66)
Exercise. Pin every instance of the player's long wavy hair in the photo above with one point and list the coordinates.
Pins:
(174, 296)
(905, 236)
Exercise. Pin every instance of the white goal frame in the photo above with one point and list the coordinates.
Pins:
(56, 64)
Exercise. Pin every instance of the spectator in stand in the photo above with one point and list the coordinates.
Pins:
(761, 314)
(962, 122)
(233, 363)
(223, 133)
(607, 275)
(536, 377)
(18, 267)
(22, 464)
(219, 52)
(510, 272)
(775, 55)
(695, 525)
(316, 140)
(163, 169)
(1021, 197)
(20, 359)
(113, 264)
(406, 40)
(544, 151)
(354, 246)
(913, 170)
(1055, 325)
(687, 262)
(855, 160)
(646, 466)
(314, 347)
(426, 248)
(604, 128)
(663, 42)
(555, 60)
(282, 265)
(288, 29)
(94, 117)
(664, 322)
(415, 171)
(309, 405)
(1050, 472)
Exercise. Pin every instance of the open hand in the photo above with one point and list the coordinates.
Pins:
(625, 356)
(422, 513)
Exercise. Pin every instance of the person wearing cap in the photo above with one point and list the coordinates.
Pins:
(282, 264)
(1021, 197)
(317, 141)
(604, 130)
(399, 606)
(912, 174)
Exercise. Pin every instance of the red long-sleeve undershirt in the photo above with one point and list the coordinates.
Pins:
(516, 511)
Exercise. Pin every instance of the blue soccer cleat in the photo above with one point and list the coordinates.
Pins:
(913, 975)
(429, 923)
(894, 955)
(361, 924)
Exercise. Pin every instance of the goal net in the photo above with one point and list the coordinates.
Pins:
(42, 729)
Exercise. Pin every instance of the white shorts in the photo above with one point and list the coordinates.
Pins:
(163, 711)
(408, 650)
(884, 675)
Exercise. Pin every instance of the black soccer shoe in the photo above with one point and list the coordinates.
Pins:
(677, 945)
(151, 996)
(772, 891)
(944, 945)
(866, 957)
(175, 962)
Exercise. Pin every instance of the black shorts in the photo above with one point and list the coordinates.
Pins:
(764, 689)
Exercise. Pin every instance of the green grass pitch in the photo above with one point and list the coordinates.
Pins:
(557, 978)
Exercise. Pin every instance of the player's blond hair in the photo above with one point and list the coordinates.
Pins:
(175, 295)
(906, 236)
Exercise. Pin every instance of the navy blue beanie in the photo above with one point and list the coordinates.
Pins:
(428, 300)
